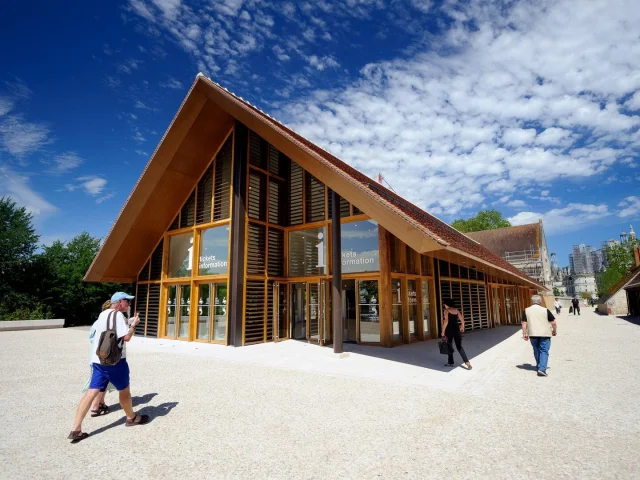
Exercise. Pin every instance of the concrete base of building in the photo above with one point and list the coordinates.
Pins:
(11, 325)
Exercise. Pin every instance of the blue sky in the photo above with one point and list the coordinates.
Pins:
(532, 108)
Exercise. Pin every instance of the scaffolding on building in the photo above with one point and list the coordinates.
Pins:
(528, 261)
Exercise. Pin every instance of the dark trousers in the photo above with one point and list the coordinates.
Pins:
(451, 336)
(576, 310)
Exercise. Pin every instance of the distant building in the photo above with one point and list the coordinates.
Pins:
(523, 246)
(577, 284)
(581, 260)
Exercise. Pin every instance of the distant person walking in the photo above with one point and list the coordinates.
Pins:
(576, 305)
(451, 331)
(538, 326)
(557, 305)
(111, 319)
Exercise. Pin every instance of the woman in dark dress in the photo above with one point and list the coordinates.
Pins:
(451, 329)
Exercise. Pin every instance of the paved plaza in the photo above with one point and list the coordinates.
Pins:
(294, 410)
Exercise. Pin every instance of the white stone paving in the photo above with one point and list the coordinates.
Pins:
(294, 410)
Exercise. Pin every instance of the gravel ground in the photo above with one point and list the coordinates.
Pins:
(215, 418)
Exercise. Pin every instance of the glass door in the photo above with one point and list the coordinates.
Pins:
(349, 311)
(315, 312)
(298, 311)
(279, 312)
(178, 311)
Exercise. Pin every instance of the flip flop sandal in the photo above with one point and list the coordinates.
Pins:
(138, 420)
(103, 409)
(75, 437)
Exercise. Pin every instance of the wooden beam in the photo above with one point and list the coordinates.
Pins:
(336, 256)
(384, 289)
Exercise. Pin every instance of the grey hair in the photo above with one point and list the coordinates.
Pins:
(536, 300)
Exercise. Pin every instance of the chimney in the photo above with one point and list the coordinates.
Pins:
(636, 255)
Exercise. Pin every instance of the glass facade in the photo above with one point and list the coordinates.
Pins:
(413, 307)
(214, 251)
(180, 255)
(360, 247)
(308, 252)
(396, 309)
(369, 311)
(212, 307)
(426, 309)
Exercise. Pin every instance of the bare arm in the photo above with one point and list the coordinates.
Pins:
(132, 329)
(445, 321)
(461, 322)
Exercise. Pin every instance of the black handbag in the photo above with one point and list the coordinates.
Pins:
(445, 348)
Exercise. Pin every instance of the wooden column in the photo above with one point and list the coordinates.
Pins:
(336, 257)
(384, 290)
(238, 234)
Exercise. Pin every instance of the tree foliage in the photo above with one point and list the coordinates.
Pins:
(556, 292)
(620, 259)
(49, 283)
(484, 220)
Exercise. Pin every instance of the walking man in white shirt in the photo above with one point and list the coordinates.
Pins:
(556, 304)
(117, 374)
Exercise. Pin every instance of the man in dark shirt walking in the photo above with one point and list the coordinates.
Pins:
(576, 305)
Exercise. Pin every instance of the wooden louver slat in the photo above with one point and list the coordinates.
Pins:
(156, 262)
(257, 151)
(176, 223)
(344, 205)
(276, 252)
(257, 196)
(141, 307)
(153, 310)
(296, 187)
(314, 199)
(256, 249)
(144, 273)
(203, 202)
(187, 214)
(277, 202)
(222, 184)
(254, 316)
(269, 327)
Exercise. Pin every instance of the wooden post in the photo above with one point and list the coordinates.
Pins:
(238, 233)
(336, 256)
(384, 291)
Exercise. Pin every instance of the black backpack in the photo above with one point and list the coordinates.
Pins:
(109, 351)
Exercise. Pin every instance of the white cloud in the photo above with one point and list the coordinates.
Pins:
(18, 89)
(66, 161)
(321, 63)
(518, 136)
(552, 136)
(575, 216)
(169, 8)
(92, 184)
(129, 66)
(20, 138)
(517, 203)
(17, 187)
(6, 104)
(280, 53)
(634, 102)
(630, 207)
(106, 197)
(172, 83)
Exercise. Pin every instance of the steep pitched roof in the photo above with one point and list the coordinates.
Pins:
(437, 234)
(632, 275)
(509, 239)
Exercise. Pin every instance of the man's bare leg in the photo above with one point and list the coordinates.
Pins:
(99, 400)
(127, 403)
(83, 408)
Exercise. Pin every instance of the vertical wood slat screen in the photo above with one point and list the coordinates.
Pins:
(176, 223)
(153, 310)
(275, 164)
(254, 316)
(467, 305)
(257, 205)
(256, 249)
(156, 262)
(296, 188)
(257, 151)
(141, 308)
(314, 193)
(187, 214)
(357, 211)
(471, 300)
(426, 265)
(277, 202)
(276, 252)
(269, 327)
(205, 193)
(144, 273)
(344, 205)
(222, 184)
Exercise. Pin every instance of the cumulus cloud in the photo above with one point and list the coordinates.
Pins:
(172, 83)
(630, 207)
(575, 216)
(91, 184)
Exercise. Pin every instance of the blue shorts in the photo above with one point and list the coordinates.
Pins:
(117, 374)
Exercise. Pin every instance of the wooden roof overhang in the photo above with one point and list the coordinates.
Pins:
(199, 127)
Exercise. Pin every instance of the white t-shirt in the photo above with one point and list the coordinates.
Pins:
(101, 325)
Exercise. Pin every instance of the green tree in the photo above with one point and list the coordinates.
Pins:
(19, 266)
(484, 220)
(620, 259)
(68, 295)
(556, 292)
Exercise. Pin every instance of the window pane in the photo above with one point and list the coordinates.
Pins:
(396, 309)
(180, 255)
(360, 246)
(220, 302)
(185, 310)
(214, 251)
(426, 312)
(307, 252)
(172, 297)
(413, 307)
(204, 310)
(369, 318)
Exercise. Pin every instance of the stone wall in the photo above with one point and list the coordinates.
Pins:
(617, 304)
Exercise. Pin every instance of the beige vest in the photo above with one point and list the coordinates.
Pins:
(538, 324)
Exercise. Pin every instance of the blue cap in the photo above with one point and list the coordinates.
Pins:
(121, 296)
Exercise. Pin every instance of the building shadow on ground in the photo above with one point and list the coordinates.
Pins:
(427, 354)
(153, 412)
(635, 320)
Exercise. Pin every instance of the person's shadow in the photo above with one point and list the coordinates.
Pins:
(526, 366)
(153, 412)
(138, 400)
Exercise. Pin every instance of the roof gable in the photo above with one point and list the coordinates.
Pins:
(509, 239)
